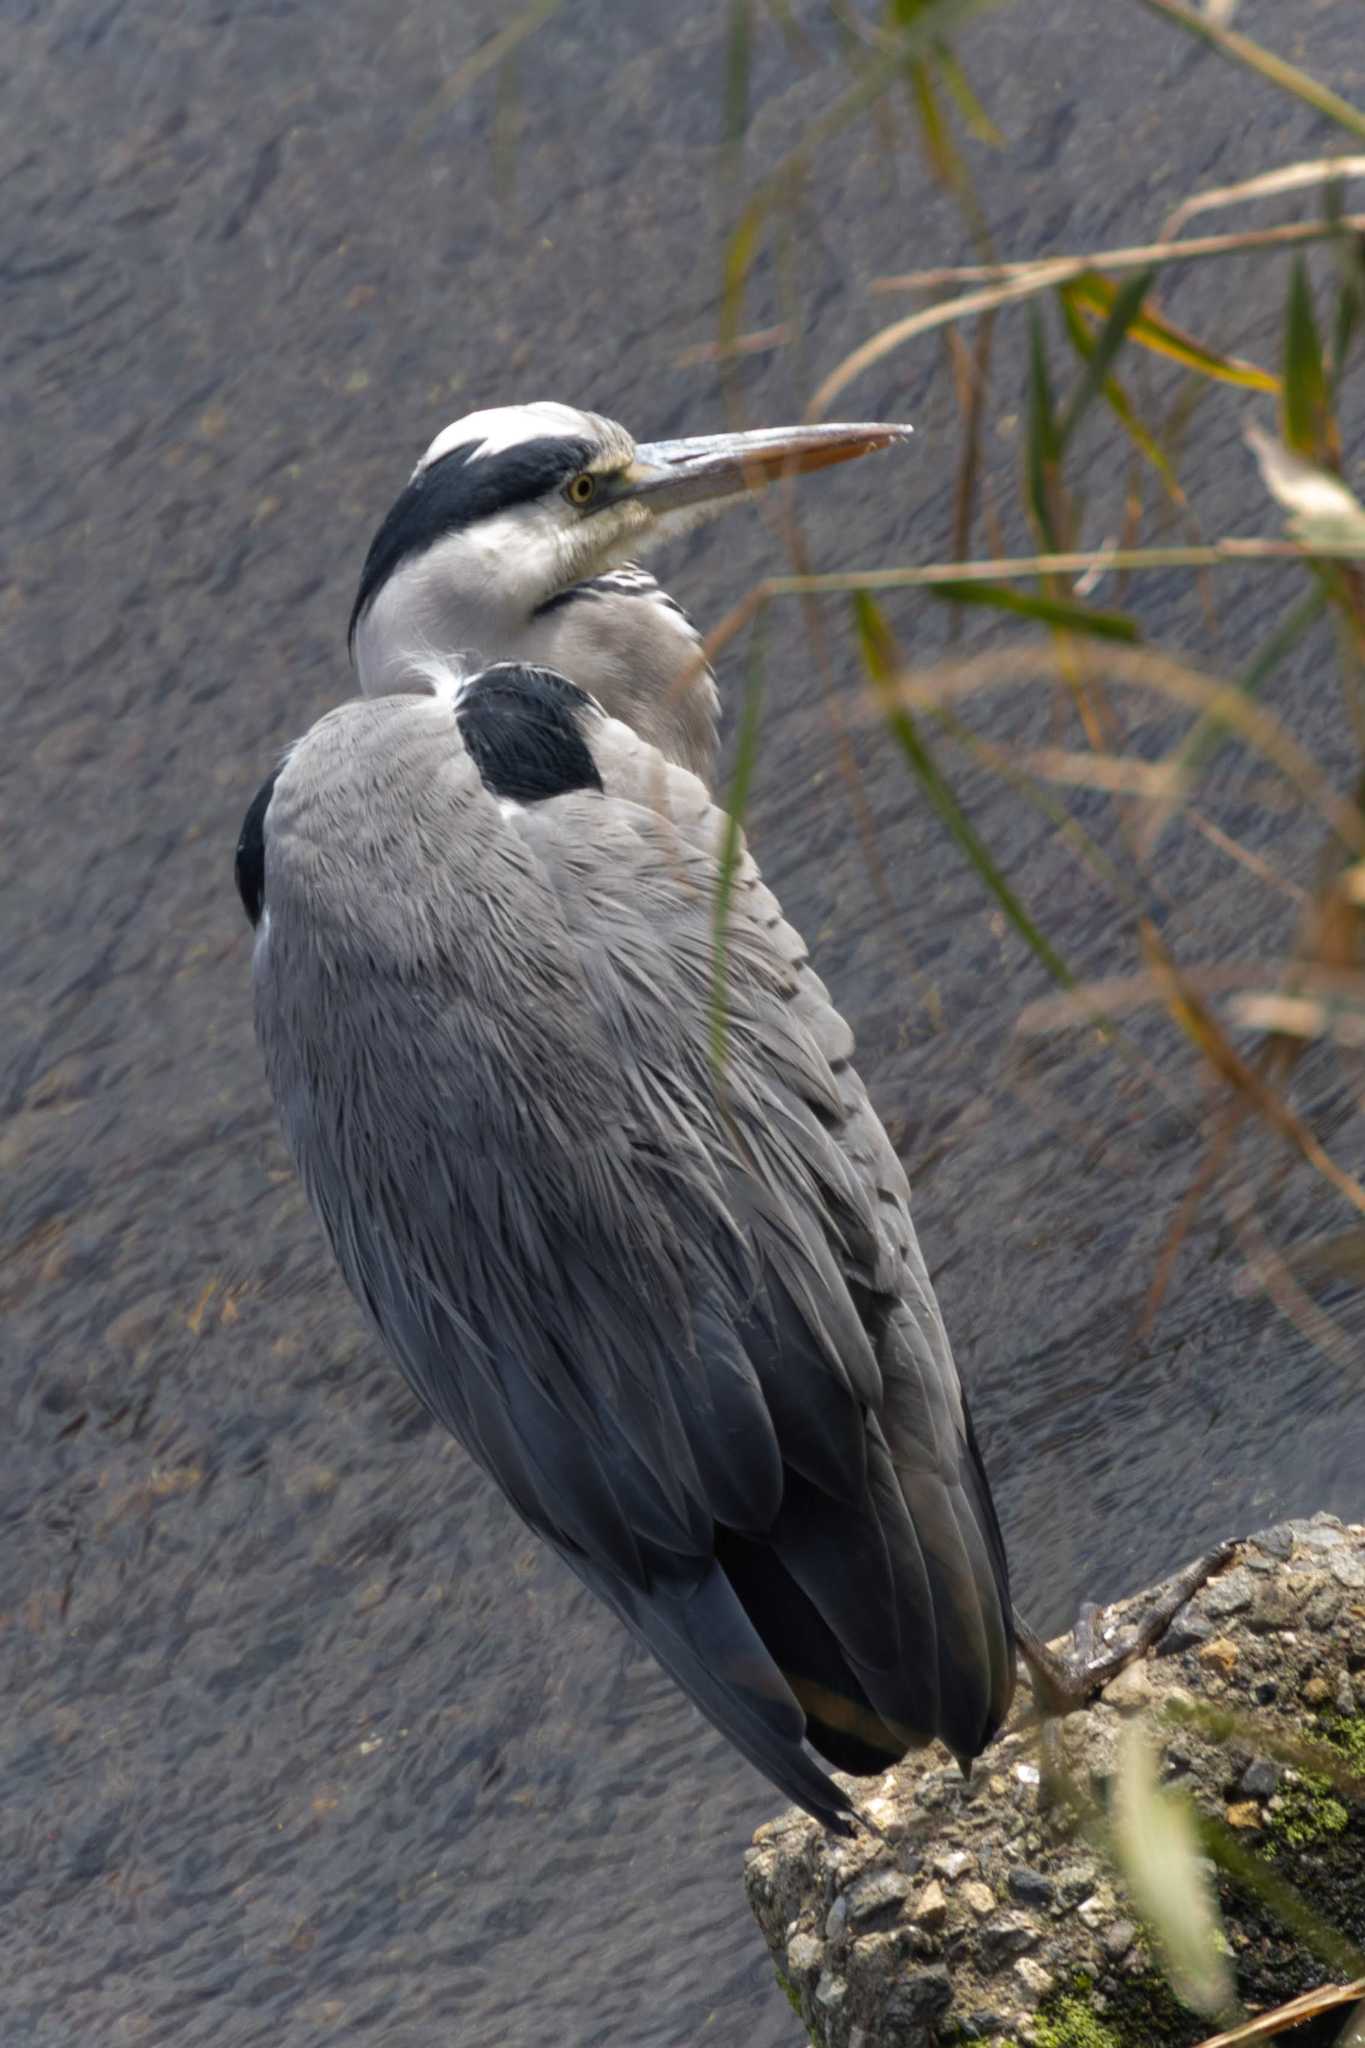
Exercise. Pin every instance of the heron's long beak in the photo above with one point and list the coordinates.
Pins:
(672, 475)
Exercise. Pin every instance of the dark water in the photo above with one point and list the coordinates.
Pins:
(303, 1739)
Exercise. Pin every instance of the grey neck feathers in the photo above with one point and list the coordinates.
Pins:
(618, 636)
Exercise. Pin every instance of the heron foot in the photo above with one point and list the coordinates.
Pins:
(1063, 1683)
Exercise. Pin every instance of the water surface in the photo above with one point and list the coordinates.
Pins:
(304, 1738)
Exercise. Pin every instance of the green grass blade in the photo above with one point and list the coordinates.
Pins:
(1243, 51)
(939, 147)
(1350, 262)
(1159, 334)
(1349, 300)
(1104, 351)
(738, 66)
(1047, 611)
(740, 250)
(1305, 409)
(1146, 443)
(878, 654)
(977, 121)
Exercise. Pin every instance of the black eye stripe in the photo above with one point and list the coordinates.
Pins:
(457, 489)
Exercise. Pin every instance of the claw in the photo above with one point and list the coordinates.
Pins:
(1063, 1684)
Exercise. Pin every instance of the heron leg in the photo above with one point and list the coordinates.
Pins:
(1064, 1682)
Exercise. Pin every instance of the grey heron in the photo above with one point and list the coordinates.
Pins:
(675, 1309)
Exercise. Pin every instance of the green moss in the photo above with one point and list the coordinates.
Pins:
(1309, 1812)
(1140, 2012)
(791, 1994)
(1311, 1809)
(1346, 1732)
(1068, 2022)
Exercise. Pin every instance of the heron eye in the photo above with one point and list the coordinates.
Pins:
(581, 489)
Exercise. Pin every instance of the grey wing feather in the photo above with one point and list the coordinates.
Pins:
(685, 1324)
(886, 1524)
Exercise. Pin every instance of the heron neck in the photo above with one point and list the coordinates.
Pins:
(618, 636)
(631, 647)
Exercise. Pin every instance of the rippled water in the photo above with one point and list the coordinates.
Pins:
(303, 1738)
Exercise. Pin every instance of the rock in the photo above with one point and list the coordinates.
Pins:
(875, 1963)
(1189, 1629)
(1030, 1887)
(1275, 1543)
(831, 1991)
(1228, 1594)
(1323, 1608)
(995, 1906)
(1007, 1936)
(804, 1954)
(1260, 1779)
(920, 1998)
(1074, 1882)
(1243, 1813)
(877, 1898)
(1118, 1938)
(985, 2025)
(931, 1907)
(886, 1817)
(1130, 1690)
(1273, 1607)
(1034, 1981)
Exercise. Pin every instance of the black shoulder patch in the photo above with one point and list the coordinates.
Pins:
(250, 865)
(458, 488)
(524, 730)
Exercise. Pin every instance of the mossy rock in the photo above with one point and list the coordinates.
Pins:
(983, 1913)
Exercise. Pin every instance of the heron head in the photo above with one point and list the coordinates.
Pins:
(515, 538)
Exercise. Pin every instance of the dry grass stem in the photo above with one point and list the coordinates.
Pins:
(948, 682)
(1266, 2025)
(1041, 273)
(1154, 780)
(1289, 178)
